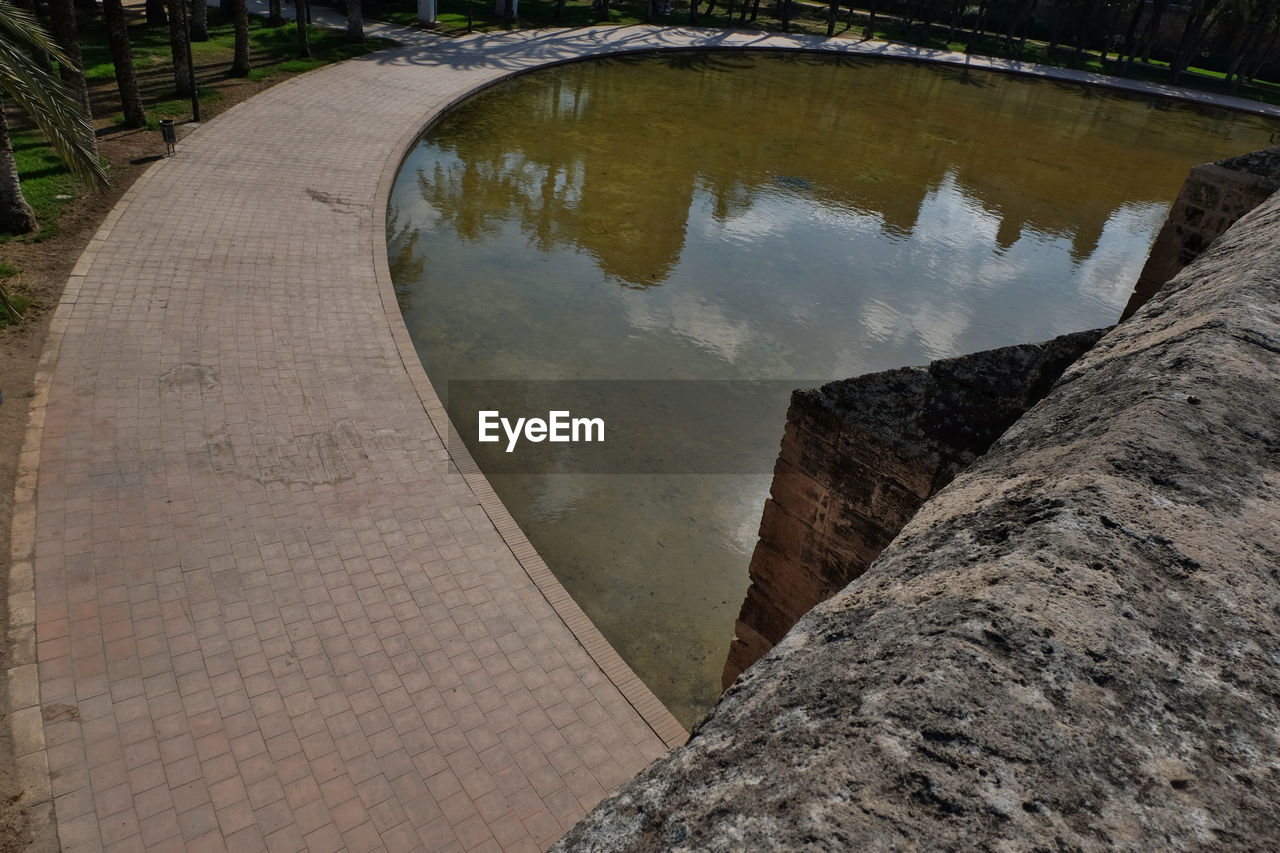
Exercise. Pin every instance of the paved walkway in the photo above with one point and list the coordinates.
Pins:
(266, 611)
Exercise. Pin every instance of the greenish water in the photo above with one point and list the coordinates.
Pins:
(735, 216)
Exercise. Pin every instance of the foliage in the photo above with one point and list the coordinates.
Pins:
(42, 96)
(12, 304)
(46, 183)
(987, 27)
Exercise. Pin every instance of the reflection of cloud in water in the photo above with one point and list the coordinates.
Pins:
(688, 315)
(951, 222)
(770, 213)
(1107, 276)
(554, 496)
(737, 512)
(934, 327)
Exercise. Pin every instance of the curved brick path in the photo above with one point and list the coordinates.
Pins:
(266, 613)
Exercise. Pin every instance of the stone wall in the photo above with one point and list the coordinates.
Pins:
(1213, 198)
(1074, 645)
(860, 456)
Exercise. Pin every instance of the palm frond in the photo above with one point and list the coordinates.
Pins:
(18, 26)
(43, 97)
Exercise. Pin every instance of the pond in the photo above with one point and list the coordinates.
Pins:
(654, 234)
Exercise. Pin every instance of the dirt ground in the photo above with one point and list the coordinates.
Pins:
(44, 268)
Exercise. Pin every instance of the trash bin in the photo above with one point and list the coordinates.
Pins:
(169, 132)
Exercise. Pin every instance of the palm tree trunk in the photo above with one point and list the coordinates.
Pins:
(178, 47)
(1085, 31)
(199, 20)
(122, 59)
(240, 20)
(1191, 37)
(1131, 35)
(355, 22)
(15, 214)
(155, 13)
(1153, 29)
(304, 43)
(62, 24)
(275, 13)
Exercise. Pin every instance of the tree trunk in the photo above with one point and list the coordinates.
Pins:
(62, 21)
(240, 20)
(976, 30)
(1019, 14)
(156, 14)
(508, 12)
(1131, 35)
(1085, 32)
(275, 13)
(1153, 29)
(559, 16)
(833, 10)
(199, 20)
(1191, 36)
(178, 47)
(869, 31)
(784, 15)
(304, 43)
(693, 11)
(122, 59)
(15, 214)
(1257, 30)
(355, 22)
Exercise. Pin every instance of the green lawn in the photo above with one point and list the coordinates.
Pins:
(809, 18)
(273, 51)
(45, 183)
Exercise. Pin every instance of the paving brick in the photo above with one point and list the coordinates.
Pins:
(283, 622)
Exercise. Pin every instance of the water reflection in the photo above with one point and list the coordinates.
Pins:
(760, 217)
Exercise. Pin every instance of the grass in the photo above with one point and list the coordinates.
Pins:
(809, 18)
(45, 183)
(12, 305)
(272, 53)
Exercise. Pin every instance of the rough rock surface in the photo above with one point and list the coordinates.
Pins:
(860, 456)
(1213, 197)
(1075, 645)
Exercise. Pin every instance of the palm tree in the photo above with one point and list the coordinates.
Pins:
(302, 18)
(355, 23)
(53, 108)
(199, 20)
(240, 56)
(122, 59)
(62, 25)
(178, 35)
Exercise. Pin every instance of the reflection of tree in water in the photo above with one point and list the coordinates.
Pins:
(405, 264)
(605, 162)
